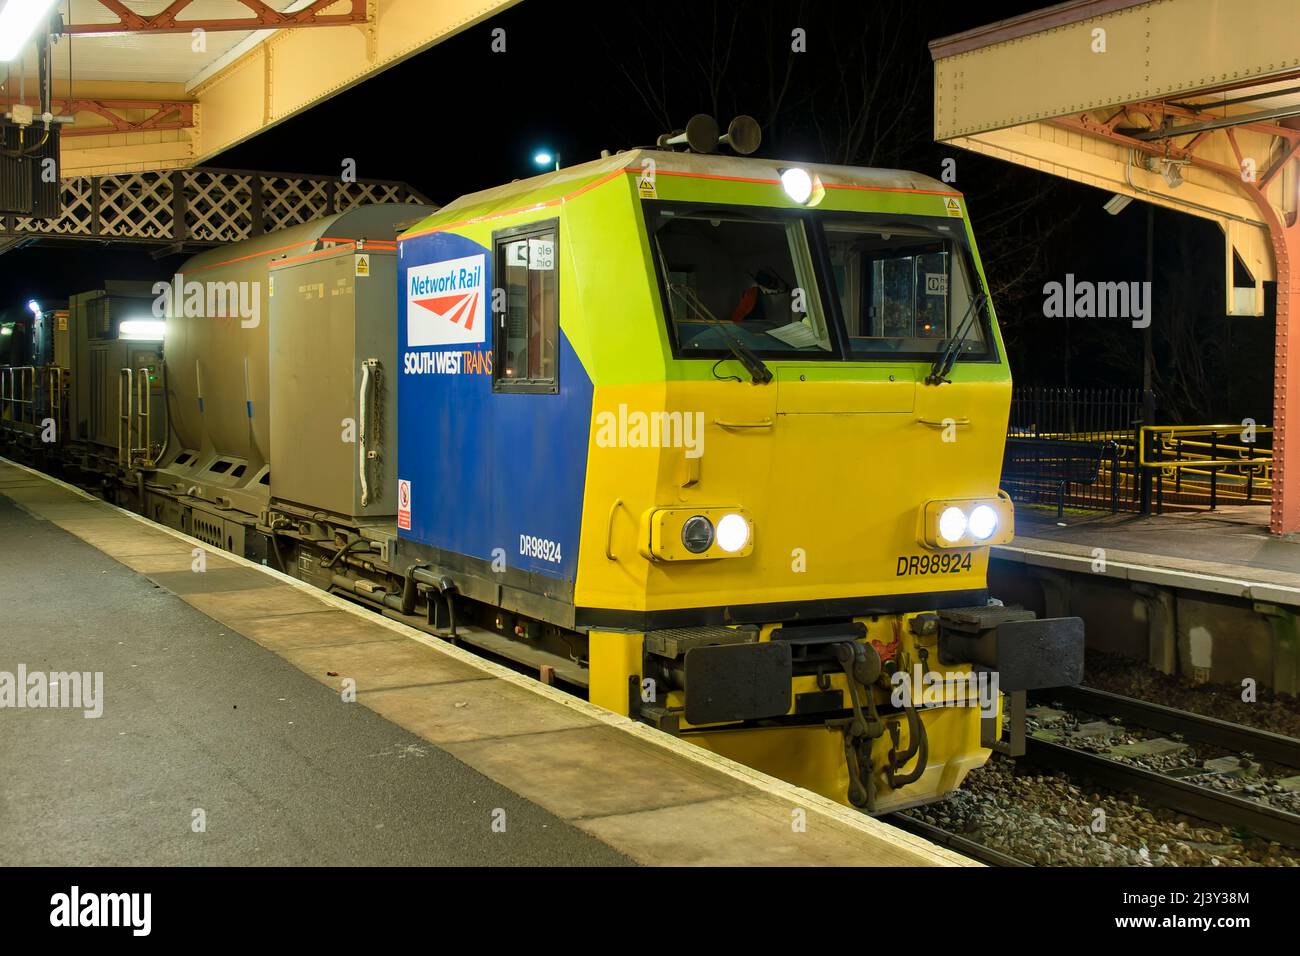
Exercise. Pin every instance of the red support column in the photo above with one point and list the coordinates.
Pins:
(1285, 518)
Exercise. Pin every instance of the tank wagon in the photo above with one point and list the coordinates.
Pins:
(713, 438)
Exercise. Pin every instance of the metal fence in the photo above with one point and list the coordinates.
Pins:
(1075, 448)
(1093, 450)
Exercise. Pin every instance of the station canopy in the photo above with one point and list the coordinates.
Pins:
(1193, 105)
(165, 84)
(1188, 104)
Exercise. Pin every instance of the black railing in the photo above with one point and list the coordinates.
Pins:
(1075, 448)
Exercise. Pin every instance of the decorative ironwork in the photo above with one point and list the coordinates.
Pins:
(263, 17)
(161, 114)
(195, 207)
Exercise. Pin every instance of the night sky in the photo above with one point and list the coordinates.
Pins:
(461, 117)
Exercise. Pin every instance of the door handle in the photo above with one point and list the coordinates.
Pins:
(943, 422)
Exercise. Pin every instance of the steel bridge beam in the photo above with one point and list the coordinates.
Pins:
(286, 71)
(263, 18)
(122, 116)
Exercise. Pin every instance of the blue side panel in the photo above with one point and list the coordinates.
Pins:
(485, 470)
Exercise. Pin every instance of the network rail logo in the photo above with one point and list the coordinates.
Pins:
(446, 302)
(72, 690)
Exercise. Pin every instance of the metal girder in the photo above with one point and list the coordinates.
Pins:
(1249, 119)
(263, 18)
(1091, 54)
(273, 76)
(162, 114)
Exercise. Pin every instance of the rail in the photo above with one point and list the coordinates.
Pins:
(1227, 466)
(31, 399)
(135, 446)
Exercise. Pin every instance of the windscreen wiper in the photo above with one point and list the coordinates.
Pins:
(951, 349)
(758, 371)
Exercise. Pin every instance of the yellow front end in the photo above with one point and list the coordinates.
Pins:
(836, 469)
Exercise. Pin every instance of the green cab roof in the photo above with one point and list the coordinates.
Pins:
(553, 188)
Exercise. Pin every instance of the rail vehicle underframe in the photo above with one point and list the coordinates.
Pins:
(812, 697)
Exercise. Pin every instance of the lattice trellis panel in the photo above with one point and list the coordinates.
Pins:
(136, 206)
(360, 194)
(78, 217)
(290, 202)
(218, 206)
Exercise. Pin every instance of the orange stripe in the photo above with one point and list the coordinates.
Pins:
(893, 189)
(488, 217)
(732, 179)
(376, 243)
(341, 244)
(385, 246)
(664, 172)
(254, 255)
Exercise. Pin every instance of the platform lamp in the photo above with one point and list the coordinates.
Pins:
(18, 22)
(545, 158)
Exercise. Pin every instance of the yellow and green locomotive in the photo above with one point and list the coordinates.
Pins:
(727, 433)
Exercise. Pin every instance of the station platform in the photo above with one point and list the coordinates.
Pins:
(225, 737)
(1228, 551)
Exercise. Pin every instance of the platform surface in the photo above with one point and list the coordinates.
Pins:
(222, 693)
(1226, 552)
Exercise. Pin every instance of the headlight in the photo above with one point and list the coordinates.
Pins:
(967, 522)
(952, 524)
(697, 533)
(798, 185)
(733, 533)
(983, 522)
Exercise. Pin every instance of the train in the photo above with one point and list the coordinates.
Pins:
(712, 439)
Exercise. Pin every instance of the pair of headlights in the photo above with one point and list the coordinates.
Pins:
(731, 533)
(981, 523)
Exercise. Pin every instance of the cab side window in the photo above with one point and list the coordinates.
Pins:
(526, 327)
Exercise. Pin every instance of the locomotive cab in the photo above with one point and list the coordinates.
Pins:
(727, 433)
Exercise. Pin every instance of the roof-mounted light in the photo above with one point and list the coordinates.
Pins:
(798, 184)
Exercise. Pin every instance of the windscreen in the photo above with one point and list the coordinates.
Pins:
(901, 289)
(727, 273)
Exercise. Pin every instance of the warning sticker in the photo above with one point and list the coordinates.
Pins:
(403, 505)
(952, 207)
(363, 264)
(645, 185)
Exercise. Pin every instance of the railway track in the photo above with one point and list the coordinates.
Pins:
(1278, 748)
(954, 841)
(1184, 795)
